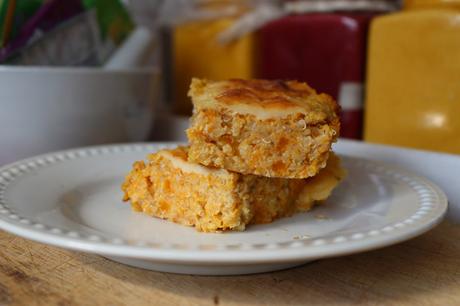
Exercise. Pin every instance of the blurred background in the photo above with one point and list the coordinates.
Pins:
(85, 72)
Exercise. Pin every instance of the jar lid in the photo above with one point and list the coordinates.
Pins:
(424, 4)
(320, 6)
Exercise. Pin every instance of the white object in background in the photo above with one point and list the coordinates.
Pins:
(351, 96)
(146, 12)
(49, 109)
(318, 6)
(73, 200)
(135, 52)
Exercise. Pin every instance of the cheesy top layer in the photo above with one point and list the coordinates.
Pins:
(263, 98)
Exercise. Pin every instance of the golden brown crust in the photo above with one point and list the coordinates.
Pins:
(264, 98)
(269, 94)
(270, 128)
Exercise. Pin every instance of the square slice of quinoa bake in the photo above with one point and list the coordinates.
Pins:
(262, 127)
(168, 186)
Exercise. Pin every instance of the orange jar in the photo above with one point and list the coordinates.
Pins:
(197, 51)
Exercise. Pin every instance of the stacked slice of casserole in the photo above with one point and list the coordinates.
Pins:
(259, 150)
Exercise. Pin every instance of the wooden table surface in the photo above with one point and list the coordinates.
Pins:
(423, 271)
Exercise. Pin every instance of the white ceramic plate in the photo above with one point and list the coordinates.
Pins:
(72, 199)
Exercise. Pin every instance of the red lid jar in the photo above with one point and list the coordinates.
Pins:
(326, 49)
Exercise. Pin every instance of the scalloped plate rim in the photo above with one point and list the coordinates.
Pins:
(209, 257)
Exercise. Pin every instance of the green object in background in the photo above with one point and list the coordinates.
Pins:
(3, 7)
(25, 9)
(13, 14)
(28, 27)
(7, 8)
(113, 18)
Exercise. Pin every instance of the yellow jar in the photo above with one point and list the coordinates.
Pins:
(427, 4)
(197, 52)
(413, 79)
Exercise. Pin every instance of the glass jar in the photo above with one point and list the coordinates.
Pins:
(413, 92)
(323, 44)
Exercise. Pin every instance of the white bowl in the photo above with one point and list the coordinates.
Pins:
(54, 108)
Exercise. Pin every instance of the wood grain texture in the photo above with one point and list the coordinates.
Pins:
(423, 271)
